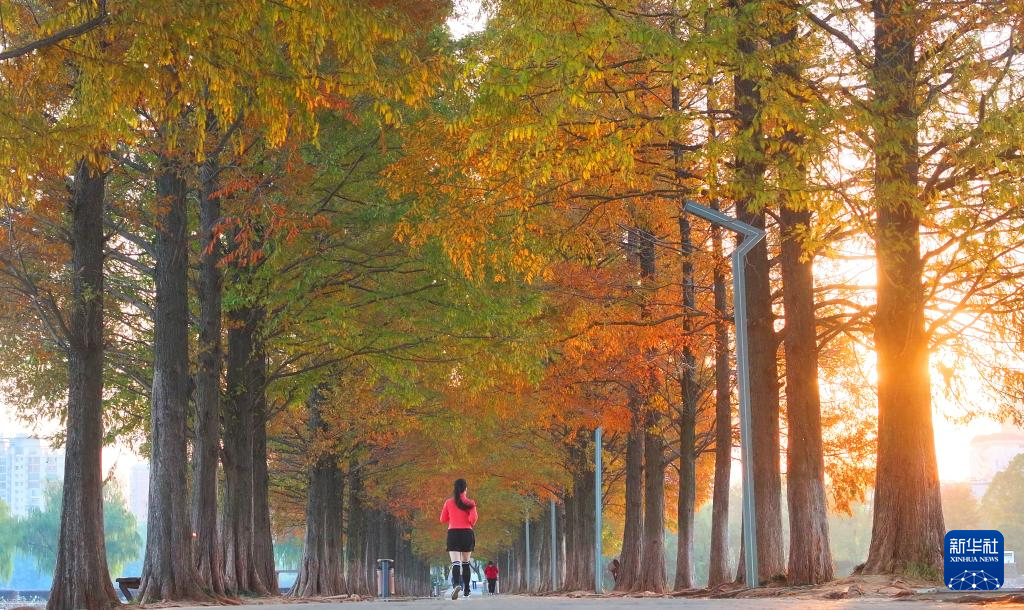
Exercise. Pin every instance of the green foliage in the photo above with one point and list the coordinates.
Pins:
(38, 531)
(960, 507)
(924, 571)
(401, 336)
(850, 537)
(8, 541)
(120, 530)
(288, 551)
(1003, 504)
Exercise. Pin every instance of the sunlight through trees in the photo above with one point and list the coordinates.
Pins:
(315, 260)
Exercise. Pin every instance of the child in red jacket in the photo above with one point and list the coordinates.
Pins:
(491, 574)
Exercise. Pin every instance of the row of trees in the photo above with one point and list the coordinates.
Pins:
(887, 132)
(849, 532)
(318, 271)
(144, 318)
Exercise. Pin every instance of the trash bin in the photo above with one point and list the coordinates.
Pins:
(385, 578)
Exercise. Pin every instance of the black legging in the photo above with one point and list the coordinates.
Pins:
(492, 585)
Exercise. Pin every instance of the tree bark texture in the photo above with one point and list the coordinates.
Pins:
(169, 572)
(579, 521)
(633, 527)
(690, 392)
(237, 522)
(547, 554)
(356, 534)
(810, 560)
(82, 579)
(539, 534)
(908, 525)
(320, 570)
(718, 564)
(750, 171)
(652, 566)
(263, 538)
(207, 550)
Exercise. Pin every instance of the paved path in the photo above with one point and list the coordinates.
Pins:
(560, 603)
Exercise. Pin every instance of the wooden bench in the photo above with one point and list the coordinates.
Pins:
(130, 582)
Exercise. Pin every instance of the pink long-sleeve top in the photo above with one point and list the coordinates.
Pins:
(455, 517)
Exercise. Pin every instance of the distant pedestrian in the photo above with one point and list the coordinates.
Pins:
(491, 574)
(614, 567)
(459, 512)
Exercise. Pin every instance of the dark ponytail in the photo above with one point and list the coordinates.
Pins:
(460, 488)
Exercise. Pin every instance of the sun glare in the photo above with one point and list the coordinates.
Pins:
(965, 400)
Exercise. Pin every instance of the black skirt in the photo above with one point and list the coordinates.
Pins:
(461, 540)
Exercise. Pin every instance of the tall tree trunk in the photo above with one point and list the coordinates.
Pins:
(207, 550)
(356, 533)
(509, 574)
(687, 499)
(652, 567)
(320, 570)
(240, 572)
(82, 579)
(579, 521)
(372, 527)
(908, 526)
(543, 536)
(406, 568)
(718, 563)
(633, 527)
(810, 560)
(570, 541)
(537, 533)
(562, 545)
(504, 570)
(169, 572)
(263, 538)
(649, 572)
(522, 564)
(386, 546)
(764, 383)
(518, 577)
(687, 417)
(548, 556)
(403, 566)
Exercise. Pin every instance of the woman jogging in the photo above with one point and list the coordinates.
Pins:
(459, 513)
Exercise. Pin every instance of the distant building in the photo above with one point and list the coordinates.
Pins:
(27, 465)
(138, 491)
(991, 454)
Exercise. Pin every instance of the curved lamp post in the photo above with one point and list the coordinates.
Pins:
(598, 507)
(750, 237)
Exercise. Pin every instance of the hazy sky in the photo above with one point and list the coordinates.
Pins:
(117, 457)
(467, 18)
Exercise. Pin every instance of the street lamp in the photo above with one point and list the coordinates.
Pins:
(751, 236)
(598, 507)
(554, 547)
